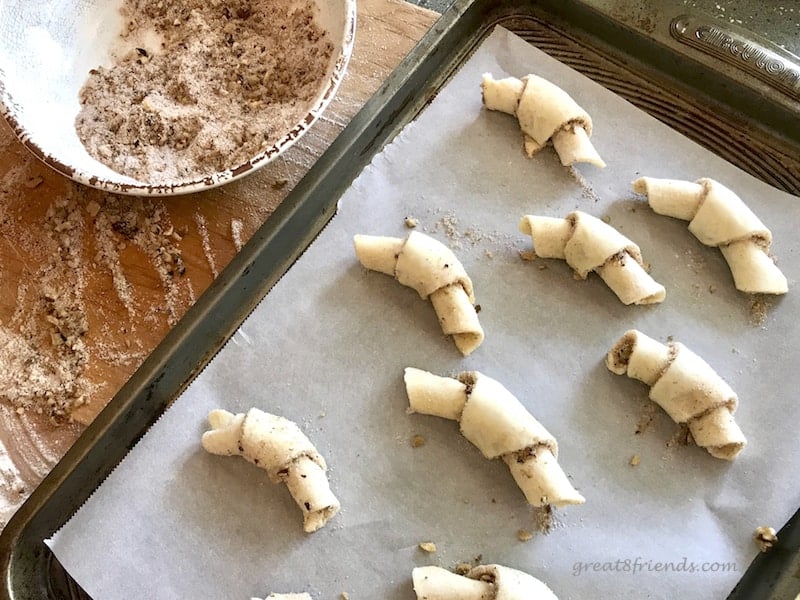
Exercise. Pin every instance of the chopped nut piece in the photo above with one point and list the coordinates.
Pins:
(93, 208)
(417, 441)
(523, 535)
(428, 547)
(765, 538)
(634, 460)
(528, 255)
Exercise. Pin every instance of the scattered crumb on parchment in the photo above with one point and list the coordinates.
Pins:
(428, 547)
(635, 460)
(527, 255)
(587, 191)
(450, 225)
(759, 309)
(417, 441)
(682, 437)
(523, 535)
(765, 538)
(695, 261)
(545, 519)
(410, 222)
(648, 413)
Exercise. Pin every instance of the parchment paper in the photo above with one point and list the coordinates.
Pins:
(328, 345)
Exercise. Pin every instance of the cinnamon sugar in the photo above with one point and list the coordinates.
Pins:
(200, 86)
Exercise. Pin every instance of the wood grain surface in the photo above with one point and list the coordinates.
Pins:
(91, 282)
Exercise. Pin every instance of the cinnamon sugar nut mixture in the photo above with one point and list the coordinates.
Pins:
(201, 85)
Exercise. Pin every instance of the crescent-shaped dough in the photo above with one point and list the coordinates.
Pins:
(431, 268)
(545, 112)
(278, 446)
(500, 426)
(719, 218)
(484, 582)
(588, 244)
(685, 386)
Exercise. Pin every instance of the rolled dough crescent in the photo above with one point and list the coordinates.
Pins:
(431, 268)
(545, 112)
(719, 218)
(278, 446)
(484, 582)
(685, 386)
(499, 425)
(588, 244)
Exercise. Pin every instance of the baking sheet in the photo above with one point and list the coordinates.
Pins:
(328, 345)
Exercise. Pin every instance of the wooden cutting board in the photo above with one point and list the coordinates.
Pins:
(91, 282)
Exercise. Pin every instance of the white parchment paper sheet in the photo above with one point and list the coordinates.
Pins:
(328, 345)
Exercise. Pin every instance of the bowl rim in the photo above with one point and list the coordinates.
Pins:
(206, 182)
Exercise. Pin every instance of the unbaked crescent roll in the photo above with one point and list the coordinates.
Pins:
(685, 386)
(484, 582)
(497, 423)
(278, 446)
(545, 112)
(431, 268)
(719, 218)
(588, 244)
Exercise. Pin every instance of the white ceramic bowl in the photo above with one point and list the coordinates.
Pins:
(46, 51)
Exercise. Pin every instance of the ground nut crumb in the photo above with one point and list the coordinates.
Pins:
(523, 535)
(428, 547)
(765, 538)
(200, 86)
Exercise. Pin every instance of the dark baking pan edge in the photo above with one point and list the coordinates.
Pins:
(27, 565)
